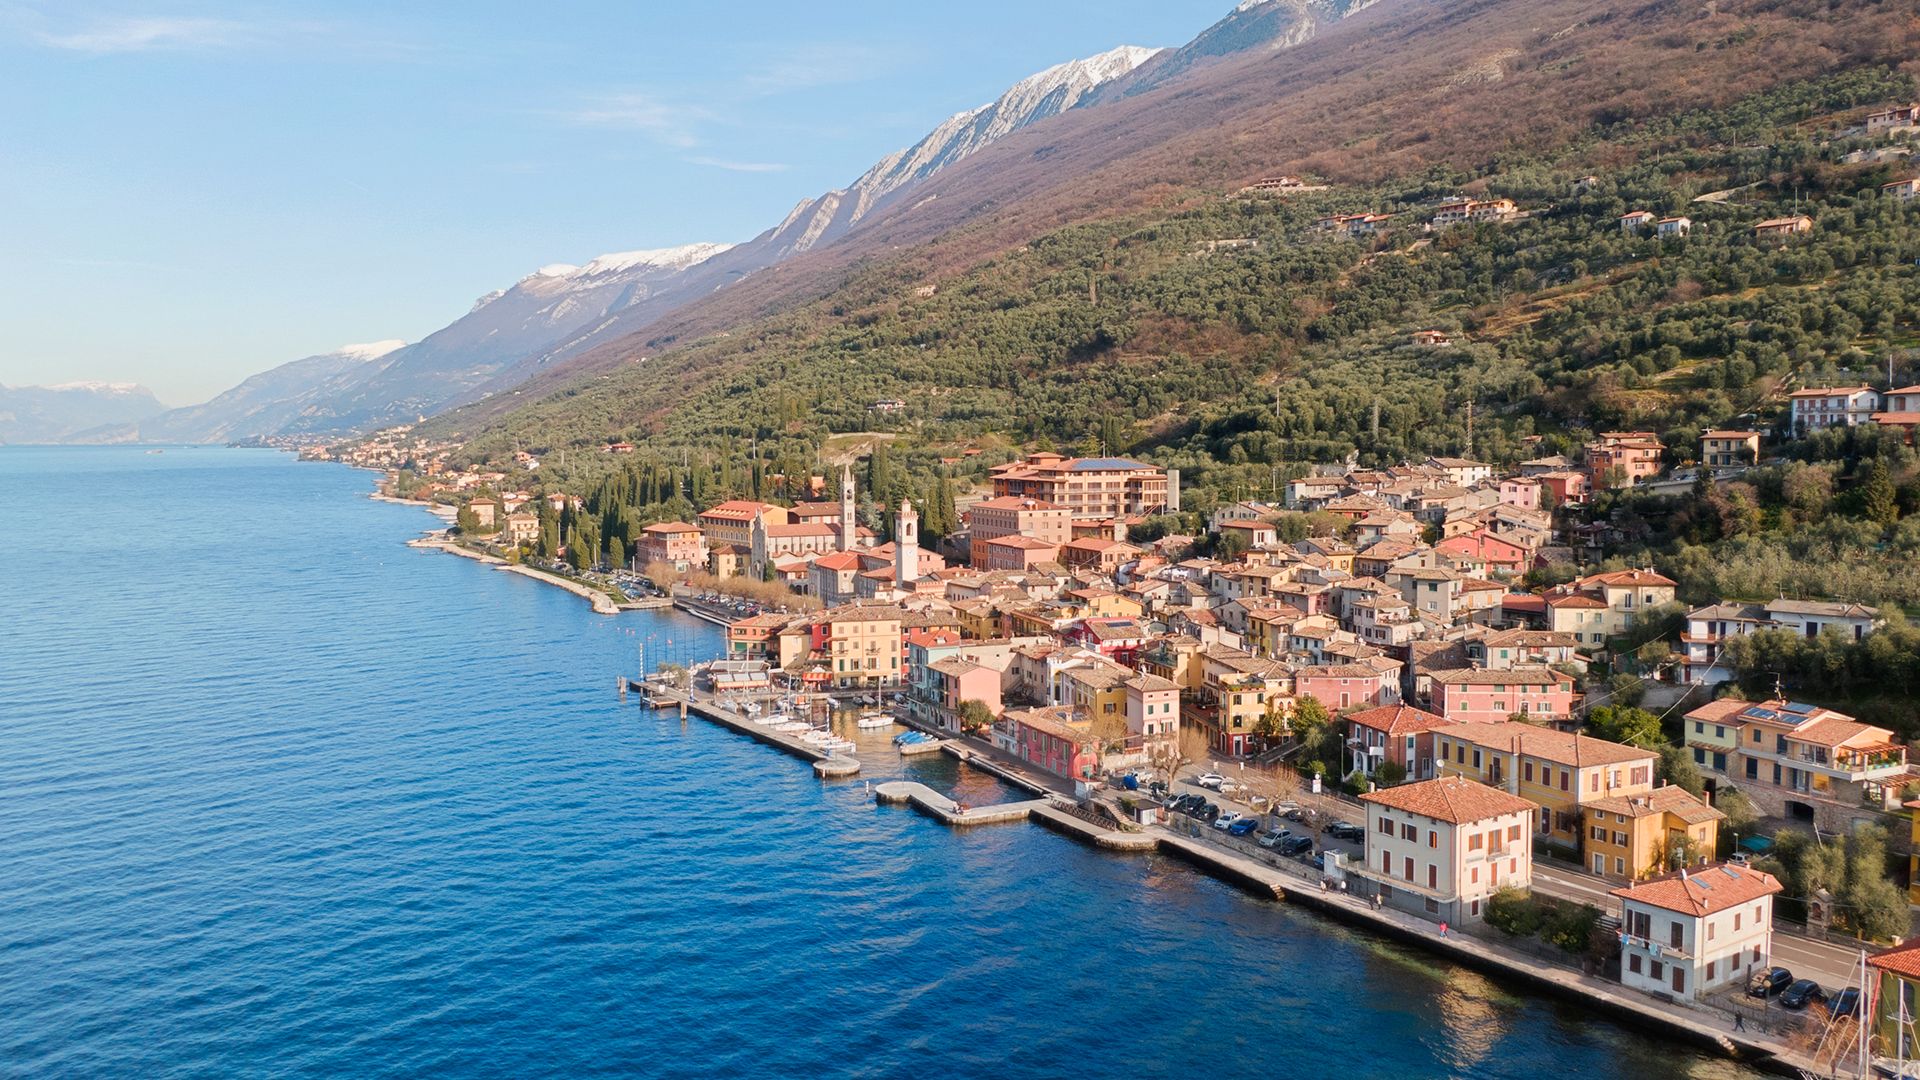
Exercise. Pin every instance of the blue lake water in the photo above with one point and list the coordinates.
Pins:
(280, 796)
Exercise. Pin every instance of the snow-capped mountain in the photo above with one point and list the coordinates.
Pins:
(264, 404)
(1048, 93)
(1271, 25)
(561, 311)
(541, 314)
(45, 414)
(824, 219)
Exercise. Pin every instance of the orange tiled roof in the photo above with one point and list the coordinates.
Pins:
(1704, 891)
(1453, 799)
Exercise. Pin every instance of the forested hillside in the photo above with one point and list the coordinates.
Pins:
(1295, 348)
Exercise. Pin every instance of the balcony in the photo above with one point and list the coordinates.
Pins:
(1658, 950)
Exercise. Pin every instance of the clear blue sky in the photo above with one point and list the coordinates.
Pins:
(194, 192)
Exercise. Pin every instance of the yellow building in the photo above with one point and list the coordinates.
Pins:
(1558, 771)
(1630, 837)
(1105, 604)
(862, 646)
(1176, 658)
(1097, 691)
(1913, 861)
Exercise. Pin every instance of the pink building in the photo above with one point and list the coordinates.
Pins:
(1344, 686)
(1019, 553)
(1474, 696)
(1521, 491)
(956, 680)
(1054, 738)
(675, 543)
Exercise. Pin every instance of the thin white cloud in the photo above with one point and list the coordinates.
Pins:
(667, 122)
(740, 166)
(105, 36)
(114, 35)
(803, 67)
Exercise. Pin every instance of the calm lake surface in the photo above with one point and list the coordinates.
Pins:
(282, 797)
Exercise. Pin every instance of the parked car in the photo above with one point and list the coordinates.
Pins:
(1295, 845)
(1801, 994)
(1211, 781)
(1845, 1003)
(1207, 812)
(1244, 826)
(1179, 803)
(1273, 837)
(1226, 820)
(1347, 830)
(1770, 983)
(1295, 814)
(1158, 787)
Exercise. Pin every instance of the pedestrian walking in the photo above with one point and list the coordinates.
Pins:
(1739, 1022)
(1443, 929)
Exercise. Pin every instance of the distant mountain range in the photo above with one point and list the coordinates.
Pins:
(48, 414)
(559, 313)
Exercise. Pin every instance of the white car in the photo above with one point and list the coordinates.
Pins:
(1210, 781)
(1227, 819)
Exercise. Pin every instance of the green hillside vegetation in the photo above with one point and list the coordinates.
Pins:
(1231, 363)
(1245, 363)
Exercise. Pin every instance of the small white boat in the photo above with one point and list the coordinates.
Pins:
(872, 720)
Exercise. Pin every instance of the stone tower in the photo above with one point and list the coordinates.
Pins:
(906, 545)
(849, 527)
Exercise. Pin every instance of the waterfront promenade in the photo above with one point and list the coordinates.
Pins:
(1291, 881)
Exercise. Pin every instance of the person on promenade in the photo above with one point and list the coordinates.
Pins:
(1443, 929)
(1739, 1022)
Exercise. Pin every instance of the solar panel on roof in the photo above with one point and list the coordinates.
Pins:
(1796, 707)
(1730, 872)
(1702, 882)
(1763, 714)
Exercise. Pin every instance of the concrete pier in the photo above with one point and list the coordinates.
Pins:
(945, 810)
(842, 765)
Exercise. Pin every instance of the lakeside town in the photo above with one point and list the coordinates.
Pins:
(1354, 683)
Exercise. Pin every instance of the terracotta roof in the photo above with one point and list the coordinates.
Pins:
(1519, 676)
(1703, 891)
(670, 527)
(1025, 543)
(1714, 712)
(1559, 747)
(1453, 799)
(1397, 719)
(1661, 800)
(1901, 959)
(1626, 577)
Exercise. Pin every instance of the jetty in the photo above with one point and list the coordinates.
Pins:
(825, 762)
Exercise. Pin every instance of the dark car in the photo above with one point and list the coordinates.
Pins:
(1244, 826)
(1347, 830)
(1295, 814)
(1801, 994)
(1295, 845)
(1208, 813)
(1845, 1003)
(1771, 983)
(1184, 804)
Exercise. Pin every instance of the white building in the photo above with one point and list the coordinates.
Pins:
(1703, 642)
(1695, 932)
(1834, 406)
(1440, 848)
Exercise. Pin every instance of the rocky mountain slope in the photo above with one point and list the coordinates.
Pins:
(47, 414)
(1408, 100)
(264, 404)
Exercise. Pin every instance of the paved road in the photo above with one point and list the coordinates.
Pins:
(1831, 965)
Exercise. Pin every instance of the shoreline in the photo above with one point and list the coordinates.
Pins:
(1046, 808)
(438, 540)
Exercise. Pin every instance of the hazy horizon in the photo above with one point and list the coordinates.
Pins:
(209, 191)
